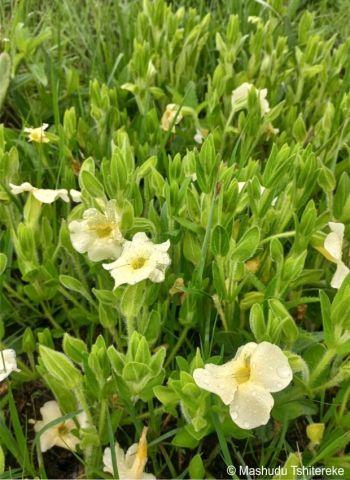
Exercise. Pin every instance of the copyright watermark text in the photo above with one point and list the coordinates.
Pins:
(314, 472)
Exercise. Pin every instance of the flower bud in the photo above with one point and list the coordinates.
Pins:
(60, 367)
(315, 432)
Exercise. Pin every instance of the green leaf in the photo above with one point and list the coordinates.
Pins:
(132, 300)
(90, 183)
(328, 327)
(5, 74)
(219, 241)
(257, 322)
(75, 285)
(2, 461)
(74, 348)
(191, 248)
(285, 319)
(184, 439)
(196, 468)
(248, 245)
(3, 263)
(60, 367)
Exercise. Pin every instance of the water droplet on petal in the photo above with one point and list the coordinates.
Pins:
(234, 415)
(283, 372)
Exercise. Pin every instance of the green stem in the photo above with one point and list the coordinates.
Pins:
(102, 419)
(177, 346)
(229, 120)
(325, 360)
(130, 326)
(89, 451)
(206, 240)
(50, 317)
(143, 416)
(278, 235)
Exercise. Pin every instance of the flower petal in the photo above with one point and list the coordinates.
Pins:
(340, 274)
(251, 406)
(270, 367)
(50, 411)
(333, 244)
(337, 228)
(8, 363)
(107, 461)
(46, 195)
(48, 438)
(245, 351)
(80, 235)
(24, 187)
(76, 195)
(217, 379)
(100, 250)
(68, 441)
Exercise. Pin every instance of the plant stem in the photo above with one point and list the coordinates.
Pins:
(325, 360)
(278, 235)
(206, 239)
(177, 346)
(130, 326)
(89, 453)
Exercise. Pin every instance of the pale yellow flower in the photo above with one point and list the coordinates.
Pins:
(98, 233)
(140, 259)
(43, 195)
(8, 363)
(333, 245)
(245, 382)
(131, 464)
(171, 117)
(38, 134)
(61, 434)
(201, 134)
(240, 97)
(76, 195)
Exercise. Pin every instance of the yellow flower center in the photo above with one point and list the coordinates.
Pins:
(63, 430)
(138, 262)
(103, 230)
(242, 374)
(38, 135)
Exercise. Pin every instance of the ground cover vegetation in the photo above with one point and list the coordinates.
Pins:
(174, 225)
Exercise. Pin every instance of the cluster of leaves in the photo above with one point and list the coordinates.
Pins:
(247, 263)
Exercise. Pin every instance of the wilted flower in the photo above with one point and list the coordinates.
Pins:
(178, 289)
(38, 134)
(44, 195)
(61, 434)
(271, 131)
(98, 233)
(8, 363)
(140, 259)
(75, 194)
(131, 464)
(333, 244)
(240, 97)
(201, 134)
(253, 265)
(171, 117)
(245, 382)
